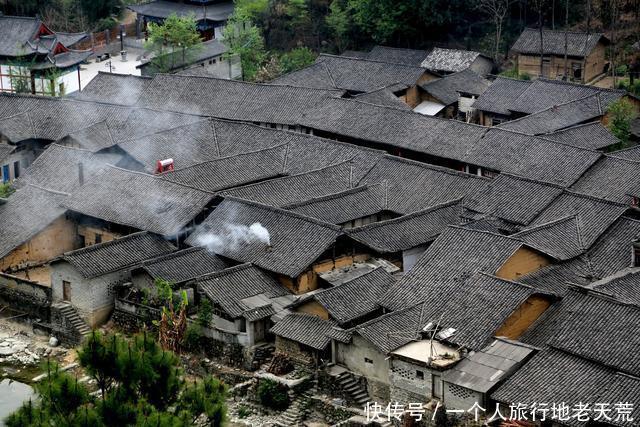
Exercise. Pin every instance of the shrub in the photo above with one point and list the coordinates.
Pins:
(243, 411)
(621, 114)
(192, 337)
(296, 59)
(6, 190)
(273, 395)
(205, 313)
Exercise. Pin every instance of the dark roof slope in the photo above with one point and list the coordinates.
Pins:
(410, 230)
(611, 178)
(114, 88)
(117, 254)
(562, 238)
(357, 297)
(94, 137)
(27, 212)
(589, 135)
(298, 188)
(230, 99)
(384, 97)
(505, 195)
(274, 239)
(138, 200)
(183, 265)
(345, 206)
(623, 285)
(412, 186)
(631, 153)
(449, 88)
(305, 329)
(500, 95)
(227, 288)
(395, 329)
(218, 11)
(553, 42)
(594, 215)
(454, 256)
(227, 172)
(398, 55)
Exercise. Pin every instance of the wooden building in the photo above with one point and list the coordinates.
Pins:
(585, 54)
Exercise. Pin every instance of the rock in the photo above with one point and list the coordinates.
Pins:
(53, 342)
(7, 351)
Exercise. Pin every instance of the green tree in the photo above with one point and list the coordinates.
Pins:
(140, 385)
(339, 24)
(175, 41)
(6, 190)
(245, 40)
(621, 113)
(296, 59)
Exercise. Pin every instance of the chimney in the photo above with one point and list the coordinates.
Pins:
(81, 173)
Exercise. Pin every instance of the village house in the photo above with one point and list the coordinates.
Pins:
(294, 247)
(453, 95)
(210, 15)
(34, 59)
(87, 278)
(209, 58)
(447, 61)
(585, 53)
(246, 302)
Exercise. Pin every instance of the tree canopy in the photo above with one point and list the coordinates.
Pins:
(139, 384)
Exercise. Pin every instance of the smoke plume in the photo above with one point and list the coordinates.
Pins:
(234, 237)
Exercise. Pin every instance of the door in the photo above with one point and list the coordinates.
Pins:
(66, 290)
(5, 173)
(437, 386)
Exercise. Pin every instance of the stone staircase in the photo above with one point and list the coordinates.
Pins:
(298, 409)
(262, 353)
(72, 318)
(353, 389)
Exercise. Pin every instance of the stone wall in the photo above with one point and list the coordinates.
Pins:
(25, 296)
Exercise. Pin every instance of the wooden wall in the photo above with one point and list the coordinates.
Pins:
(592, 65)
(315, 308)
(522, 262)
(523, 317)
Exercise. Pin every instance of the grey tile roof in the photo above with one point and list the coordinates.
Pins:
(553, 42)
(449, 88)
(413, 186)
(611, 178)
(632, 153)
(94, 138)
(305, 329)
(449, 60)
(353, 74)
(623, 285)
(345, 206)
(357, 297)
(293, 243)
(6, 150)
(27, 212)
(561, 239)
(138, 200)
(556, 278)
(230, 99)
(601, 329)
(117, 254)
(595, 215)
(454, 256)
(504, 197)
(408, 231)
(53, 120)
(206, 50)
(227, 172)
(298, 188)
(589, 135)
(484, 369)
(559, 117)
(543, 93)
(397, 55)
(228, 288)
(554, 376)
(500, 95)
(531, 157)
(145, 121)
(219, 11)
(57, 168)
(384, 97)
(114, 88)
(393, 330)
(183, 265)
(623, 388)
(611, 252)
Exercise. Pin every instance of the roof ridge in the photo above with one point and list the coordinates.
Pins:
(473, 230)
(352, 190)
(533, 180)
(49, 190)
(544, 225)
(224, 272)
(101, 245)
(232, 156)
(446, 170)
(595, 89)
(350, 58)
(406, 217)
(146, 135)
(541, 137)
(588, 196)
(283, 212)
(239, 82)
(514, 282)
(549, 30)
(171, 254)
(158, 178)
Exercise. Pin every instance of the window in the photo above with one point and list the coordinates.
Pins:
(367, 360)
(98, 238)
(420, 375)
(83, 241)
(636, 255)
(16, 169)
(66, 290)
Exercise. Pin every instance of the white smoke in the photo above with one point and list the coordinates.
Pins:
(233, 237)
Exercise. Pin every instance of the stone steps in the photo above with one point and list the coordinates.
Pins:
(72, 316)
(353, 389)
(297, 411)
